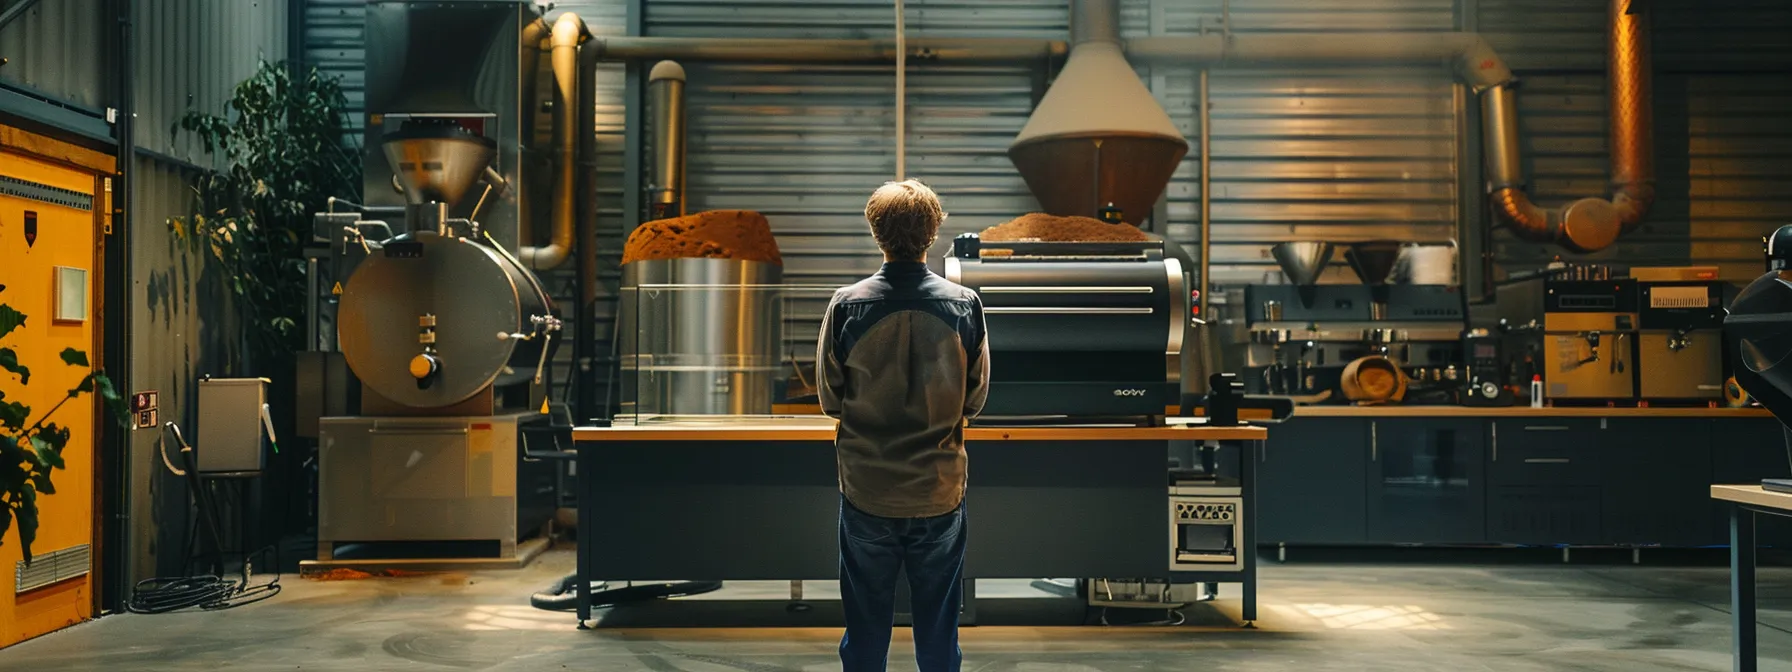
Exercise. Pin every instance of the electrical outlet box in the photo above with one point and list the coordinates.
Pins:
(230, 430)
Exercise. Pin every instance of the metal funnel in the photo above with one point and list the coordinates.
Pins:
(437, 162)
(1302, 261)
(1098, 137)
(1373, 260)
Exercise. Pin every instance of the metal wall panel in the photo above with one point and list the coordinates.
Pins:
(336, 44)
(182, 327)
(57, 50)
(190, 56)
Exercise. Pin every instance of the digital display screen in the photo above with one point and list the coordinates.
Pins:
(1485, 351)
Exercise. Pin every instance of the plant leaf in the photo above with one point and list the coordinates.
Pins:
(10, 319)
(42, 481)
(27, 517)
(111, 398)
(9, 360)
(73, 357)
(48, 455)
(12, 415)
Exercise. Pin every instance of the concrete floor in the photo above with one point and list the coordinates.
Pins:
(1319, 617)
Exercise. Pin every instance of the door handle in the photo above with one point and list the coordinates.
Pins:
(1493, 429)
(1374, 443)
(1546, 460)
(1546, 428)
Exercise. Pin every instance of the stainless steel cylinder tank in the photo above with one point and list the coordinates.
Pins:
(469, 291)
(700, 337)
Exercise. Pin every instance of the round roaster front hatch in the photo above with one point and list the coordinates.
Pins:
(464, 285)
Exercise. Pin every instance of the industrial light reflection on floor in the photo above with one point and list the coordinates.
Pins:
(515, 617)
(1366, 617)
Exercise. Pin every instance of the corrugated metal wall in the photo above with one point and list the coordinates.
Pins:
(57, 50)
(1722, 114)
(182, 328)
(190, 55)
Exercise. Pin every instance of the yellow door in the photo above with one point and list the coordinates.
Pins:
(47, 230)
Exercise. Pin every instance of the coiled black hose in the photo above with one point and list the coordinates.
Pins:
(561, 596)
(207, 591)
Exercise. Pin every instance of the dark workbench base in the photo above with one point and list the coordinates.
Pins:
(767, 510)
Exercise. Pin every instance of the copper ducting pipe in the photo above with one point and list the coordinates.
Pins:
(1632, 100)
(1589, 224)
(569, 122)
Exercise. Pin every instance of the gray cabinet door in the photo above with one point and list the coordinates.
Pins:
(1657, 481)
(1426, 481)
(1310, 482)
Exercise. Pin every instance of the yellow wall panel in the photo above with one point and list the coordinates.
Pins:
(65, 237)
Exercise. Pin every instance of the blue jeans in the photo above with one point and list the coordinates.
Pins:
(872, 551)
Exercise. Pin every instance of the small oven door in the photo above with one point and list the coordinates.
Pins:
(1206, 533)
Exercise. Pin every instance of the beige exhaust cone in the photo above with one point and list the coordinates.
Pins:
(1098, 137)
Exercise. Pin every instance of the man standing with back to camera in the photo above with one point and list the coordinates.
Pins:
(903, 362)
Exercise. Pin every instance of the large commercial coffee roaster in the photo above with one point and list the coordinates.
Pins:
(432, 344)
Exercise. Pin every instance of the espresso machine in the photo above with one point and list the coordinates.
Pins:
(1679, 345)
(1300, 337)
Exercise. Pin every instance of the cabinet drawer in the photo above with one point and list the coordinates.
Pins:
(1544, 451)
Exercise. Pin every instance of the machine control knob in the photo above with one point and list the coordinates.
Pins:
(425, 368)
(1490, 390)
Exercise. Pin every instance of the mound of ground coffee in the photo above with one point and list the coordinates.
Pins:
(742, 235)
(1052, 228)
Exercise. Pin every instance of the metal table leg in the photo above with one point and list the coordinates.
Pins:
(1248, 486)
(582, 560)
(1742, 586)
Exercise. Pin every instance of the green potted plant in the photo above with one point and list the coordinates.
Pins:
(31, 450)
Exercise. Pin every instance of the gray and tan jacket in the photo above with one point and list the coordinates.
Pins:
(903, 362)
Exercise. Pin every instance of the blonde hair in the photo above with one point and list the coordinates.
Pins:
(905, 218)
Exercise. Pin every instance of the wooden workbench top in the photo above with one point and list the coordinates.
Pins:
(822, 429)
(1753, 495)
(1522, 412)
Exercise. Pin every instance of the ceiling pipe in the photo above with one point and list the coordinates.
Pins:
(770, 50)
(570, 123)
(1477, 62)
